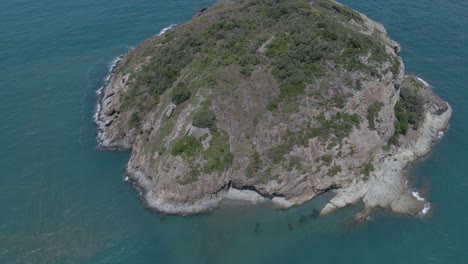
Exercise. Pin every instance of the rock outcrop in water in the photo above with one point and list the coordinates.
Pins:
(289, 99)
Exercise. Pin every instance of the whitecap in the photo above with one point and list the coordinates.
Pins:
(109, 75)
(440, 134)
(32, 133)
(426, 209)
(427, 205)
(417, 196)
(426, 84)
(106, 80)
(164, 30)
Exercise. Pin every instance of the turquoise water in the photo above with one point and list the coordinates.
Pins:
(62, 201)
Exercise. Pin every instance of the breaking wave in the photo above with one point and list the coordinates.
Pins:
(424, 82)
(427, 205)
(164, 30)
(106, 81)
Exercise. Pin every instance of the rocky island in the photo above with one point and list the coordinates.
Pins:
(286, 99)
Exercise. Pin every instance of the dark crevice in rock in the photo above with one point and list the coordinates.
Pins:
(253, 188)
(110, 95)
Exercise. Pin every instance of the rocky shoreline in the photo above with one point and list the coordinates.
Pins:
(158, 203)
(103, 94)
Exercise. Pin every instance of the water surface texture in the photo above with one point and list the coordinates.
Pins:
(63, 201)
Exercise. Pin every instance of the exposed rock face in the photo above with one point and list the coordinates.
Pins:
(290, 99)
(109, 115)
(386, 187)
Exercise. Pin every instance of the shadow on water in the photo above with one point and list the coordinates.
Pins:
(309, 217)
(256, 228)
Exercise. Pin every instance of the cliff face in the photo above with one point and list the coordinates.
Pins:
(288, 98)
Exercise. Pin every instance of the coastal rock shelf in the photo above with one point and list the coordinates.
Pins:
(279, 100)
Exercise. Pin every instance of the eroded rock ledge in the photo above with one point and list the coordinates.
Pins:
(285, 100)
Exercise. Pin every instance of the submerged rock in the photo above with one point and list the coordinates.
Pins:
(289, 99)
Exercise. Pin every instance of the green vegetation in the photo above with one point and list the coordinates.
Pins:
(313, 52)
(190, 178)
(341, 10)
(288, 92)
(156, 143)
(409, 111)
(160, 72)
(334, 170)
(180, 94)
(336, 128)
(186, 146)
(300, 54)
(267, 176)
(277, 152)
(205, 118)
(235, 34)
(310, 40)
(135, 120)
(218, 155)
(255, 169)
(337, 101)
(326, 159)
(295, 162)
(395, 68)
(411, 106)
(246, 71)
(254, 166)
(367, 169)
(358, 86)
(373, 113)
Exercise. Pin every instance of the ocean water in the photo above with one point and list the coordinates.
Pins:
(63, 201)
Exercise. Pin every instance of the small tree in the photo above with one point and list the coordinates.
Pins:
(204, 118)
(135, 120)
(180, 94)
(187, 145)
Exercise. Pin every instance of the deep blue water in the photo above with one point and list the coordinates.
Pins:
(62, 201)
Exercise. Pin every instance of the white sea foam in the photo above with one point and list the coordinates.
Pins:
(108, 76)
(424, 82)
(426, 209)
(440, 134)
(427, 205)
(106, 81)
(164, 30)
